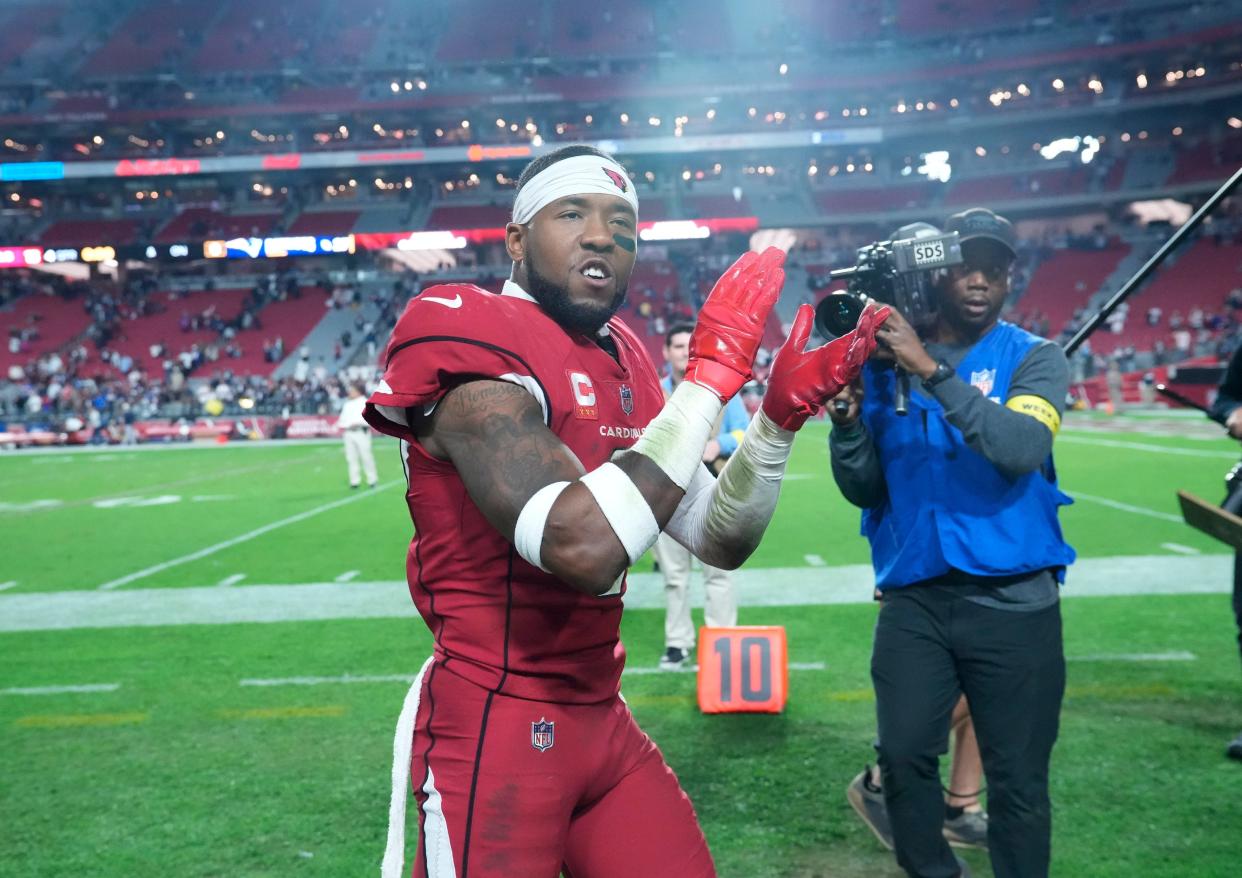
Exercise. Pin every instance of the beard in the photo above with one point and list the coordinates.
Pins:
(584, 318)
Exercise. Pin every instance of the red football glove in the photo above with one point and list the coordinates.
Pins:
(731, 322)
(802, 381)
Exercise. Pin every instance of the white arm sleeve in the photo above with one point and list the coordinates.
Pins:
(676, 437)
(722, 520)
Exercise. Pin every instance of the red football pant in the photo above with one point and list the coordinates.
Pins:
(599, 802)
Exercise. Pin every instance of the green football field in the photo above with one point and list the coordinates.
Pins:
(138, 751)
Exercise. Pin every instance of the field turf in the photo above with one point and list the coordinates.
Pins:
(183, 771)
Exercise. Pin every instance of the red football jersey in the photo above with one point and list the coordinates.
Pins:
(497, 620)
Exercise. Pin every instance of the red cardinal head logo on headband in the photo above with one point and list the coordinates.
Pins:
(616, 178)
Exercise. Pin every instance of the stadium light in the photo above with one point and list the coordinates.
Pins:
(675, 230)
(1141, 80)
(936, 166)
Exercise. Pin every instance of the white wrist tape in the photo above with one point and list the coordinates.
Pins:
(624, 506)
(528, 532)
(676, 437)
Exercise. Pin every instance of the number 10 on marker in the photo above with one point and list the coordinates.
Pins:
(743, 669)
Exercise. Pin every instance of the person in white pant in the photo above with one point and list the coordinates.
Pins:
(674, 559)
(357, 438)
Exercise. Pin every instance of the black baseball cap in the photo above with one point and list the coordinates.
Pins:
(980, 223)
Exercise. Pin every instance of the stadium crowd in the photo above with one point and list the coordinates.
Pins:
(90, 380)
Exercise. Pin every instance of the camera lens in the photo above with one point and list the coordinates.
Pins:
(837, 313)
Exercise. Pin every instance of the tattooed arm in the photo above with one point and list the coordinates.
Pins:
(493, 433)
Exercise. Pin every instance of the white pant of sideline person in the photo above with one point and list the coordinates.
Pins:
(719, 604)
(358, 455)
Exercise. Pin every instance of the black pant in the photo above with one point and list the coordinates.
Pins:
(931, 645)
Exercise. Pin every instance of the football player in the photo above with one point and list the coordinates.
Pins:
(542, 462)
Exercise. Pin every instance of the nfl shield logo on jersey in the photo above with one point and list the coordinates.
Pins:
(983, 380)
(627, 399)
(542, 734)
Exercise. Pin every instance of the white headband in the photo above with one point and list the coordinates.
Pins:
(579, 175)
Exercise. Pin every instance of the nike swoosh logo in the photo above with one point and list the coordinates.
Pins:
(454, 302)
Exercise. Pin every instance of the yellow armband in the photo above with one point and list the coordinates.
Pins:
(1038, 408)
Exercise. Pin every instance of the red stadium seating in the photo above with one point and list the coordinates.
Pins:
(581, 29)
(468, 216)
(153, 34)
(1065, 280)
(492, 31)
(78, 233)
(917, 17)
(21, 26)
(898, 196)
(708, 206)
(325, 222)
(1014, 187)
(57, 319)
(197, 223)
(291, 320)
(254, 35)
(1207, 161)
(1202, 277)
(135, 337)
(651, 208)
(834, 21)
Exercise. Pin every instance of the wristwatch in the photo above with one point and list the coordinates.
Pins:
(943, 372)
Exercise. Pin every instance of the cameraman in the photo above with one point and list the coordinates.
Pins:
(959, 501)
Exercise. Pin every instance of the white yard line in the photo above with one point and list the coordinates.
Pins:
(754, 588)
(231, 580)
(1180, 549)
(46, 505)
(5, 586)
(61, 690)
(1143, 446)
(815, 560)
(1179, 655)
(1126, 507)
(347, 576)
(319, 681)
(246, 537)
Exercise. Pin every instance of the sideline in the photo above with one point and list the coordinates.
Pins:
(755, 588)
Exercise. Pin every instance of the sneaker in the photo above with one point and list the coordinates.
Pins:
(967, 830)
(1234, 750)
(868, 800)
(675, 659)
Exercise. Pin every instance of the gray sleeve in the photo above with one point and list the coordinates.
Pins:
(1015, 443)
(856, 466)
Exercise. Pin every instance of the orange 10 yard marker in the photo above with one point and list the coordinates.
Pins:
(743, 669)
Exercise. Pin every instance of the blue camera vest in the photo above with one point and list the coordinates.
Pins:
(948, 506)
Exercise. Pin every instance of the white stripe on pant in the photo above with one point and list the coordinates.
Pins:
(435, 827)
